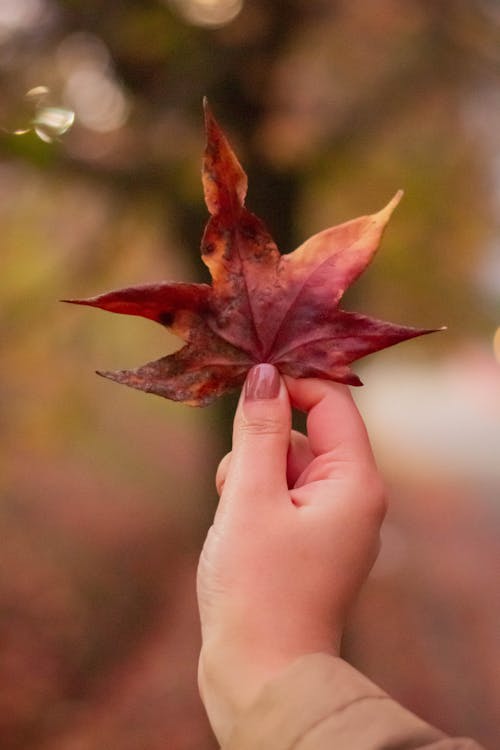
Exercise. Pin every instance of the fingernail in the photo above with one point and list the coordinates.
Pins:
(263, 382)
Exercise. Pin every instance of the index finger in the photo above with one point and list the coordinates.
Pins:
(334, 424)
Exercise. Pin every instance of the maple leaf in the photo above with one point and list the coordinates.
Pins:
(262, 306)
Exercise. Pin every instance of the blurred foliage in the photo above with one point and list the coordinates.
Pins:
(332, 105)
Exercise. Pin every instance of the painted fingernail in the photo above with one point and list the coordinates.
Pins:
(263, 382)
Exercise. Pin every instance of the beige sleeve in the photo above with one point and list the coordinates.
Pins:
(321, 703)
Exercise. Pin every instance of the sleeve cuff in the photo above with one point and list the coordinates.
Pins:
(321, 702)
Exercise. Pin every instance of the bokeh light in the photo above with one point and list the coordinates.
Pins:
(210, 13)
(91, 87)
(48, 122)
(99, 101)
(19, 15)
(52, 122)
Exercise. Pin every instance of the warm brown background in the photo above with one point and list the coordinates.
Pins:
(107, 493)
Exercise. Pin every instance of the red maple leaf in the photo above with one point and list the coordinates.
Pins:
(262, 306)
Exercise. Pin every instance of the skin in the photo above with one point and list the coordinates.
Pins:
(294, 537)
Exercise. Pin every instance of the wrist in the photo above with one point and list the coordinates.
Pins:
(230, 677)
(219, 695)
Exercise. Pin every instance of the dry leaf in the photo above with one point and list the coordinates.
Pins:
(262, 306)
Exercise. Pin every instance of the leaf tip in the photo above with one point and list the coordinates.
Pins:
(77, 302)
(115, 375)
(224, 180)
(212, 127)
(385, 214)
(356, 381)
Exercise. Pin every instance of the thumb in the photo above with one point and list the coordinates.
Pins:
(261, 437)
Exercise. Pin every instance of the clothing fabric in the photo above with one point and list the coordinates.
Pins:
(322, 703)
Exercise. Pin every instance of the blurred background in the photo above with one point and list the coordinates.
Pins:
(106, 493)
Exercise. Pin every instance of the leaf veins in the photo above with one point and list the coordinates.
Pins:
(261, 306)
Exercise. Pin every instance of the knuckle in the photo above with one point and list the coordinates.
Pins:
(370, 495)
(262, 426)
(377, 497)
(222, 469)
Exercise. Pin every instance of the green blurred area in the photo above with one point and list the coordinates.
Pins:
(106, 493)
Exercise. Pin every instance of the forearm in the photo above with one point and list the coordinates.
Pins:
(321, 702)
(232, 674)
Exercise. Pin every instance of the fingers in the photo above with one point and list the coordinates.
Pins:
(268, 458)
(343, 465)
(220, 477)
(334, 425)
(299, 457)
(256, 471)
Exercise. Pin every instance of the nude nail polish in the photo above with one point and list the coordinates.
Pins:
(263, 382)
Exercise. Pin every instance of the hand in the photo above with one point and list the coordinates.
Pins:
(294, 538)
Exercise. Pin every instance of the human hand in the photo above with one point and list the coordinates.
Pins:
(294, 538)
